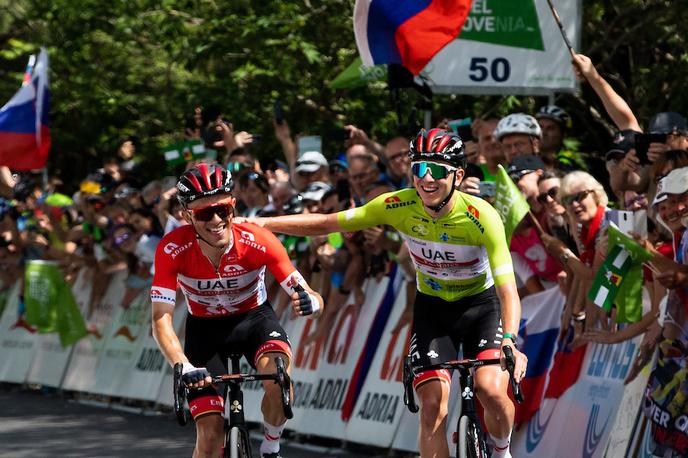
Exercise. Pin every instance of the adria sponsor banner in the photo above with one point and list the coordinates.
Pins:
(148, 366)
(18, 341)
(122, 340)
(81, 372)
(51, 359)
(509, 47)
(584, 415)
(323, 370)
(376, 415)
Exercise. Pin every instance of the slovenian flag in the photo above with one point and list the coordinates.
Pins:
(540, 322)
(24, 130)
(406, 32)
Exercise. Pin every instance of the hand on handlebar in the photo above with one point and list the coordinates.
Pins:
(520, 360)
(195, 377)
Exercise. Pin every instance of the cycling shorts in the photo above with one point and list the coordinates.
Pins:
(251, 334)
(439, 327)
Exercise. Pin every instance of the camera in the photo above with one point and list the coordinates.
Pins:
(642, 144)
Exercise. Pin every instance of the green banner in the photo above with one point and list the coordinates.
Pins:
(504, 22)
(609, 277)
(182, 152)
(357, 75)
(509, 202)
(50, 304)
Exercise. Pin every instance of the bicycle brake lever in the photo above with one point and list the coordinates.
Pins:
(510, 366)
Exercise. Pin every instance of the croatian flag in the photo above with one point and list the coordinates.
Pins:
(24, 130)
(540, 323)
(406, 32)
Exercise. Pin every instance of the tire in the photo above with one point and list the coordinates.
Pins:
(238, 444)
(469, 441)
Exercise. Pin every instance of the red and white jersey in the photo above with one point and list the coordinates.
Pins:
(236, 286)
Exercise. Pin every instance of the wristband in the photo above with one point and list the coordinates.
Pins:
(508, 335)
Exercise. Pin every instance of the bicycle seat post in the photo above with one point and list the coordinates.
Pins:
(235, 398)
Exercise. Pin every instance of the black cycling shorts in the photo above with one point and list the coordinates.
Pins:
(210, 340)
(439, 327)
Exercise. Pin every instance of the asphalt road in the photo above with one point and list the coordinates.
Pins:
(33, 424)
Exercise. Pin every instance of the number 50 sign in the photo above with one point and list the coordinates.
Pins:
(509, 47)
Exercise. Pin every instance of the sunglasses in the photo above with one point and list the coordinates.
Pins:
(120, 239)
(397, 156)
(223, 211)
(578, 197)
(542, 197)
(437, 171)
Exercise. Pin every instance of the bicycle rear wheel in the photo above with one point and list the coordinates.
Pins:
(237, 444)
(470, 442)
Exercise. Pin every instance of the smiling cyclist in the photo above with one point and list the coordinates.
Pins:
(220, 268)
(463, 274)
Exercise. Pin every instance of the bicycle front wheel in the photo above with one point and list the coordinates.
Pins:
(470, 443)
(238, 444)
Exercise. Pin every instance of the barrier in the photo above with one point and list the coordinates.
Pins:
(347, 387)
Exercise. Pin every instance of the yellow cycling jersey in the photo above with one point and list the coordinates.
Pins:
(457, 255)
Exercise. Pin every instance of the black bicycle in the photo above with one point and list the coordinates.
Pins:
(237, 443)
(470, 439)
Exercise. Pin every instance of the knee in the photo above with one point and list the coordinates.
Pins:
(433, 410)
(209, 437)
(493, 398)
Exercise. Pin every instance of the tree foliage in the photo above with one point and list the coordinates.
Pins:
(138, 67)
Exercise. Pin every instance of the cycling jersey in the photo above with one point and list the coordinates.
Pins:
(460, 254)
(238, 283)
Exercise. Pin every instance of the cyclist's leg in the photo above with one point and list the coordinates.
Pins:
(430, 344)
(433, 397)
(482, 337)
(209, 436)
(204, 338)
(265, 340)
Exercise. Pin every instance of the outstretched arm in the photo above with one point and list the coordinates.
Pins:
(304, 224)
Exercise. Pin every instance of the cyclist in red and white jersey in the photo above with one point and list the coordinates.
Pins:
(220, 268)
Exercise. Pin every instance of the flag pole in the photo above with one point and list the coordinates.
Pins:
(536, 223)
(557, 19)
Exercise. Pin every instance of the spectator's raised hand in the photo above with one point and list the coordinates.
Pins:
(470, 185)
(583, 67)
(630, 163)
(356, 135)
(656, 150)
(282, 131)
(227, 131)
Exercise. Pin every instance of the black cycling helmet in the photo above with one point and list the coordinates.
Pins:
(204, 180)
(438, 145)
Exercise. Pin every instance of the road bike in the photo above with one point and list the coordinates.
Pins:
(236, 443)
(470, 439)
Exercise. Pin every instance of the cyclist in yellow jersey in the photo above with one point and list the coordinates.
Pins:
(466, 288)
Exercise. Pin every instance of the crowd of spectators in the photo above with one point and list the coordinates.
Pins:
(114, 221)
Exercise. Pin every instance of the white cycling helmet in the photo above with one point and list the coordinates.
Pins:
(517, 123)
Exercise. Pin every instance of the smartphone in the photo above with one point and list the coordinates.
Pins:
(462, 127)
(642, 144)
(338, 135)
(309, 143)
(278, 112)
(623, 219)
(487, 188)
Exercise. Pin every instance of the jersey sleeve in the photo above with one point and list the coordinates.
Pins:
(497, 248)
(373, 213)
(276, 258)
(164, 287)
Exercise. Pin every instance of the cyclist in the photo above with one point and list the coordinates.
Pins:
(463, 272)
(220, 268)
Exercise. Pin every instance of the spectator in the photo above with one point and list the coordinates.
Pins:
(518, 134)
(311, 167)
(554, 122)
(253, 190)
(397, 162)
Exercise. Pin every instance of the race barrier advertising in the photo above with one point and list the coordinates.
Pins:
(347, 385)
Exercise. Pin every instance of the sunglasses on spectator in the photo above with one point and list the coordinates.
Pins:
(222, 210)
(120, 239)
(542, 197)
(578, 197)
(437, 171)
